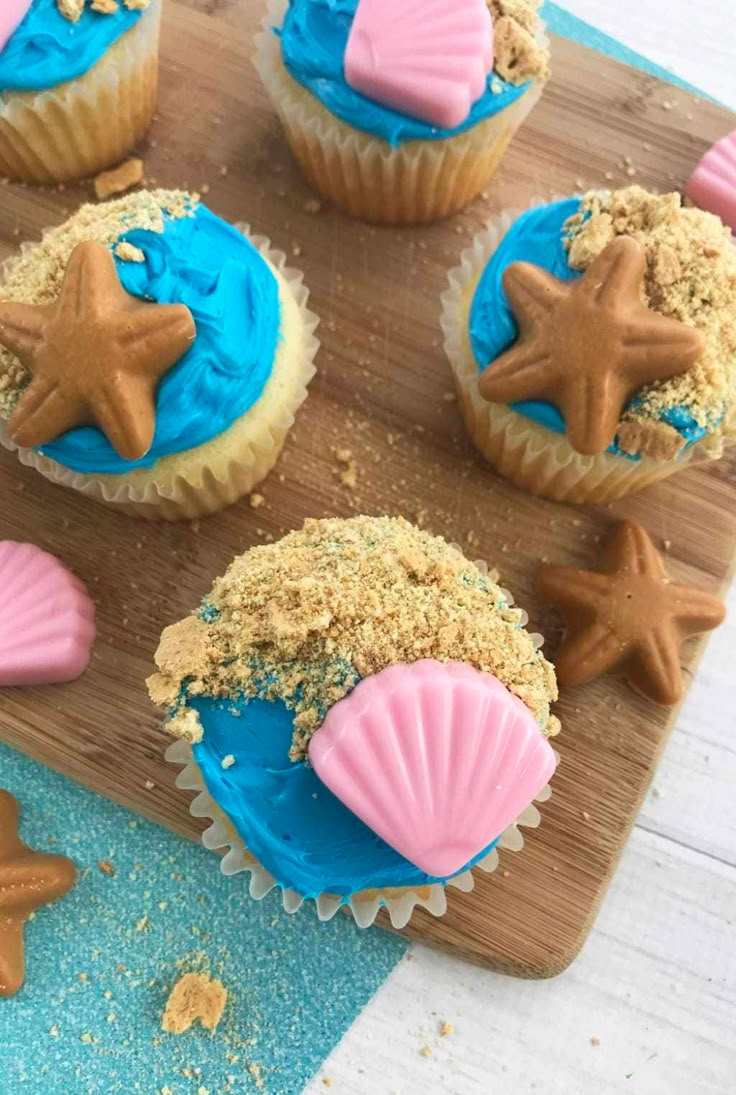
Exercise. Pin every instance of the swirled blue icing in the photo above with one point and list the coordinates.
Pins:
(538, 237)
(47, 49)
(314, 37)
(233, 294)
(298, 830)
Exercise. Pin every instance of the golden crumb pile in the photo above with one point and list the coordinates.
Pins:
(519, 54)
(35, 276)
(691, 277)
(303, 620)
(73, 9)
(196, 997)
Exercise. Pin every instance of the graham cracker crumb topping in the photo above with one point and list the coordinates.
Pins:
(196, 997)
(73, 9)
(519, 55)
(305, 619)
(36, 275)
(690, 277)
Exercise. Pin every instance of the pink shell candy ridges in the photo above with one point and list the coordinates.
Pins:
(436, 758)
(12, 13)
(712, 185)
(47, 620)
(429, 59)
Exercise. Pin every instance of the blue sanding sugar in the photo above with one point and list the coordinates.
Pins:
(102, 961)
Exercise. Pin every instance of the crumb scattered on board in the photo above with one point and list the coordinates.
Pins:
(119, 179)
(196, 997)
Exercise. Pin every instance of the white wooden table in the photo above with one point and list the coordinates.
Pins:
(649, 1008)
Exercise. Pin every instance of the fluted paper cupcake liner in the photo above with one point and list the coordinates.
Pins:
(526, 453)
(218, 472)
(418, 182)
(84, 125)
(400, 903)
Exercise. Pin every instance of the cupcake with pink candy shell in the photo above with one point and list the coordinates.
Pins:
(400, 113)
(363, 715)
(78, 84)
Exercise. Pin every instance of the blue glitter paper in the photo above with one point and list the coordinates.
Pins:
(101, 962)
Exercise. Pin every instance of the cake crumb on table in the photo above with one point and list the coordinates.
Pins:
(446, 1029)
(426, 1051)
(196, 997)
(119, 179)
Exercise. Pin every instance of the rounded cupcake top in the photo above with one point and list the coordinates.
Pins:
(343, 620)
(60, 40)
(316, 39)
(305, 619)
(689, 276)
(169, 249)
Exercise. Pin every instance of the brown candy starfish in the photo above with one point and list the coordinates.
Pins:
(28, 880)
(630, 618)
(588, 345)
(95, 356)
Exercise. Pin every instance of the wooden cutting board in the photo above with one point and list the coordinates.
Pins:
(383, 390)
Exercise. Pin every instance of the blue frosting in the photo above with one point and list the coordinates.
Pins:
(48, 49)
(205, 263)
(292, 823)
(538, 237)
(314, 38)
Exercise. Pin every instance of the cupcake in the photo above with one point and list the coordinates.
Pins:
(152, 356)
(399, 114)
(78, 84)
(363, 715)
(593, 342)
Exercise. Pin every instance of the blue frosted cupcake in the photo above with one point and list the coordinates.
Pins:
(213, 423)
(363, 714)
(401, 114)
(77, 85)
(609, 439)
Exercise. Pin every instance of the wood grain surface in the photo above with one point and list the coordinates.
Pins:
(383, 391)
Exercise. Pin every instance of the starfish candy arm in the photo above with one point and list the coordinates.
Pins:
(568, 588)
(631, 549)
(33, 879)
(90, 274)
(10, 842)
(22, 329)
(43, 413)
(12, 962)
(521, 373)
(694, 611)
(126, 413)
(617, 272)
(163, 334)
(587, 653)
(653, 667)
(657, 348)
(532, 292)
(591, 407)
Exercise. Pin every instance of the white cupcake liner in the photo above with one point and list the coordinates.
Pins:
(84, 125)
(162, 493)
(400, 903)
(418, 182)
(526, 453)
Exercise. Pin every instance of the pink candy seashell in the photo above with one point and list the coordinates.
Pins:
(712, 185)
(429, 59)
(46, 618)
(437, 758)
(12, 14)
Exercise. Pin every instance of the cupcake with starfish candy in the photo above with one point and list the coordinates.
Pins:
(78, 84)
(363, 715)
(152, 355)
(593, 342)
(400, 113)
